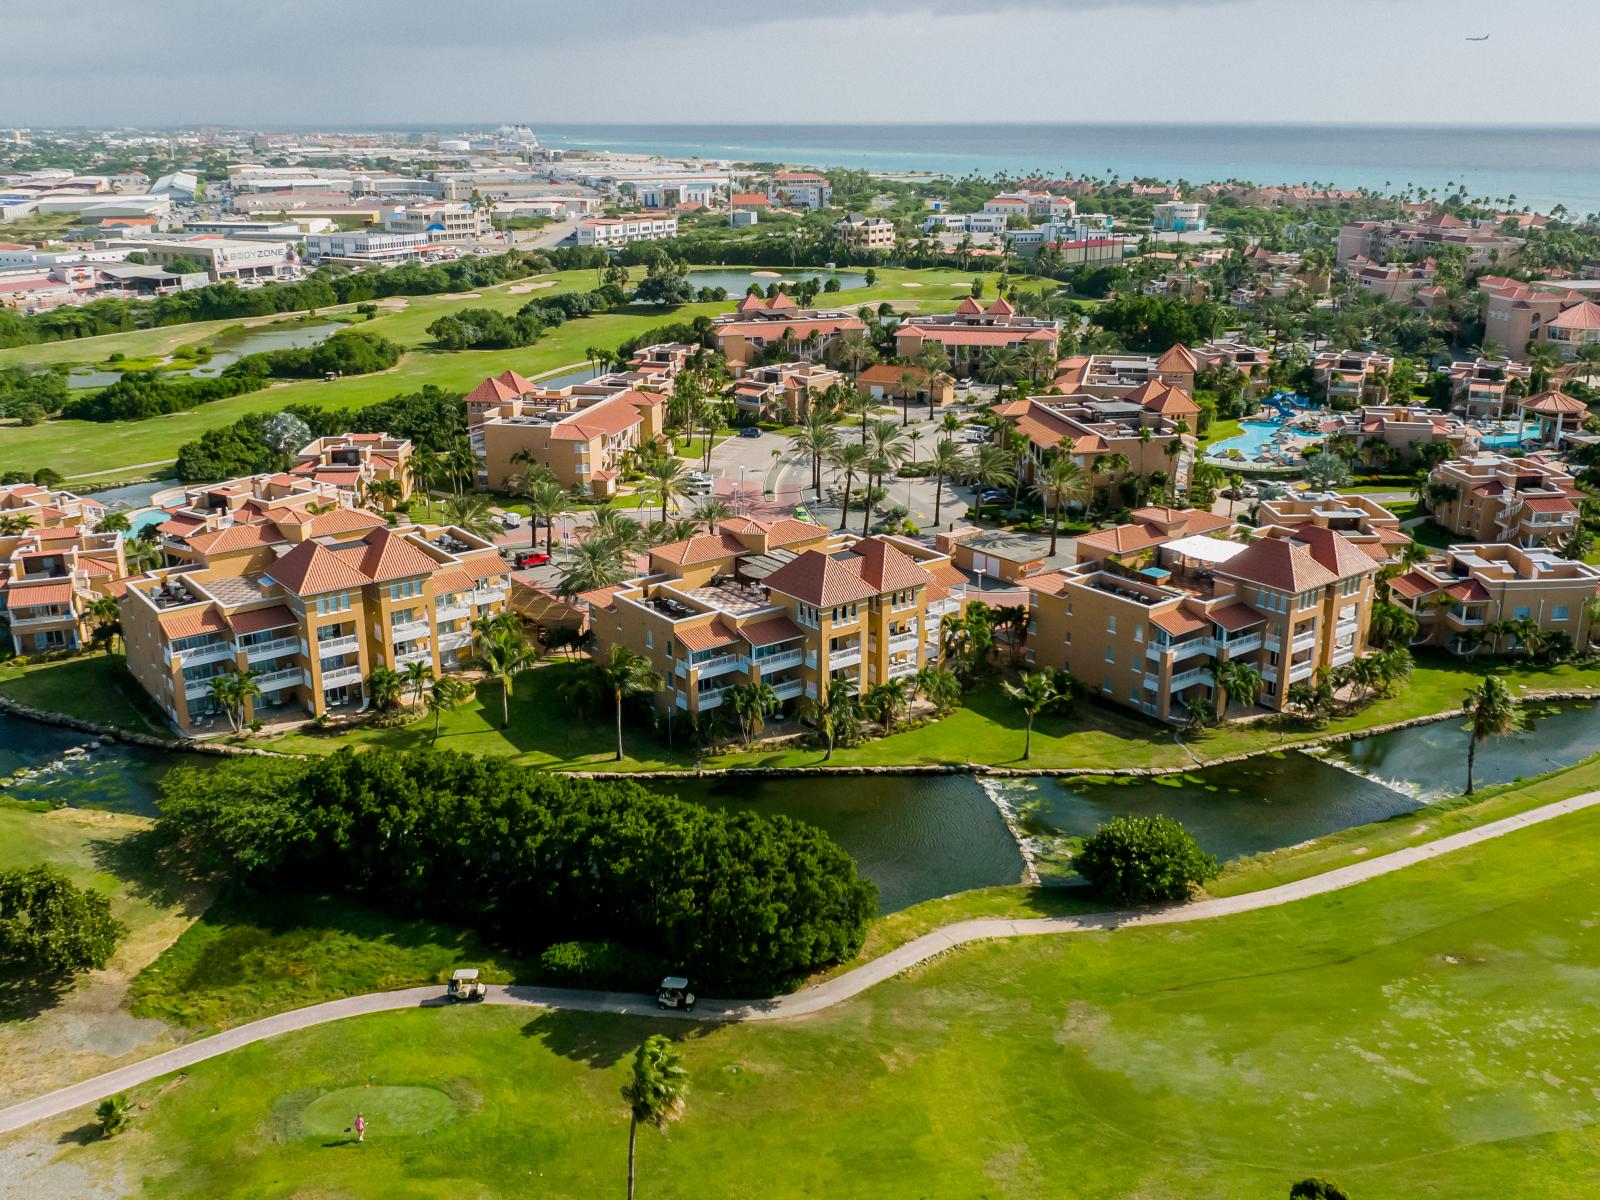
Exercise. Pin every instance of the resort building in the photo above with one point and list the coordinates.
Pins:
(1095, 431)
(1488, 388)
(364, 246)
(619, 231)
(1254, 363)
(29, 506)
(1179, 216)
(1400, 282)
(1116, 376)
(760, 325)
(1360, 520)
(580, 439)
(1461, 597)
(443, 223)
(787, 603)
(310, 610)
(1377, 241)
(1553, 416)
(781, 392)
(886, 381)
(1527, 501)
(1397, 433)
(800, 189)
(649, 369)
(50, 573)
(1348, 378)
(865, 233)
(353, 462)
(999, 555)
(972, 331)
(1153, 609)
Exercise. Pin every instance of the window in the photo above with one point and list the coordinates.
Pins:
(1105, 685)
(333, 602)
(406, 589)
(401, 616)
(1138, 635)
(1521, 614)
(1558, 612)
(1111, 654)
(1111, 623)
(649, 639)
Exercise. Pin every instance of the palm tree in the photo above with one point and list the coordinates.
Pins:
(1491, 711)
(385, 491)
(710, 511)
(752, 704)
(853, 350)
(472, 513)
(991, 467)
(504, 654)
(384, 687)
(666, 479)
(1037, 692)
(547, 501)
(945, 462)
(417, 672)
(1039, 361)
(887, 702)
(816, 438)
(425, 468)
(1061, 482)
(13, 524)
(618, 528)
(655, 1092)
(591, 562)
(888, 449)
(834, 707)
(106, 615)
(623, 674)
(1239, 680)
(1000, 366)
(446, 694)
(113, 523)
(850, 458)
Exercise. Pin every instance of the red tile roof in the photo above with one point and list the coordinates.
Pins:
(884, 567)
(311, 569)
(29, 595)
(257, 619)
(771, 631)
(1279, 563)
(708, 636)
(1234, 617)
(702, 548)
(1335, 551)
(819, 579)
(187, 622)
(390, 555)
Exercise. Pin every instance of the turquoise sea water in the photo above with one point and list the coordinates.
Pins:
(1541, 167)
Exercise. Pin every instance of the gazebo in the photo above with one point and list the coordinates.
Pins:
(1556, 413)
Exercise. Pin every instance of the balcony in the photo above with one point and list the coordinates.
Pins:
(710, 698)
(210, 652)
(901, 670)
(1467, 617)
(460, 639)
(789, 689)
(408, 631)
(1188, 678)
(60, 618)
(339, 645)
(1343, 654)
(902, 642)
(196, 688)
(784, 658)
(272, 681)
(1181, 650)
(1303, 670)
(416, 654)
(720, 664)
(453, 612)
(283, 645)
(339, 676)
(1240, 645)
(846, 656)
(488, 595)
(1304, 641)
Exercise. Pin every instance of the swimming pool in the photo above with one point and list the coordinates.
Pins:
(1499, 439)
(1251, 441)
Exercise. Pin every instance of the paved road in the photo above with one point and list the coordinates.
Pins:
(812, 999)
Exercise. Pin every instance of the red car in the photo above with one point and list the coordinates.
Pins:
(532, 558)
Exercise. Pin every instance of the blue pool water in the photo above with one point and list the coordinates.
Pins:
(1251, 441)
(1500, 439)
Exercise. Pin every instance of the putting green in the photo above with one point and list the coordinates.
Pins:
(390, 1111)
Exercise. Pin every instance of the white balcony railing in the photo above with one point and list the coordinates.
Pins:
(488, 595)
(416, 654)
(720, 665)
(339, 645)
(290, 677)
(903, 641)
(1301, 671)
(197, 688)
(784, 658)
(1181, 650)
(790, 689)
(1240, 645)
(339, 676)
(453, 612)
(458, 639)
(408, 631)
(900, 670)
(210, 652)
(1305, 641)
(60, 618)
(1187, 678)
(847, 657)
(269, 649)
(711, 697)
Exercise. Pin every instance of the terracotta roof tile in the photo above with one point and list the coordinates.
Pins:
(187, 622)
(311, 569)
(771, 631)
(1234, 617)
(1281, 564)
(391, 555)
(709, 636)
(257, 619)
(819, 579)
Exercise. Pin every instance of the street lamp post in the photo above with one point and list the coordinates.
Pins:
(979, 570)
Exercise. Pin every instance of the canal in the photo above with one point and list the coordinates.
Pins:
(919, 837)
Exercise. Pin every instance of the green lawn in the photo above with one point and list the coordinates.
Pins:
(1426, 1033)
(84, 450)
(92, 687)
(1220, 431)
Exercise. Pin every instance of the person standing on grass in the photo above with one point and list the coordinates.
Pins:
(361, 1128)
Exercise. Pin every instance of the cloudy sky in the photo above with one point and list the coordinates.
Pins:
(322, 62)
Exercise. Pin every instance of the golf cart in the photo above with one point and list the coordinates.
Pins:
(465, 985)
(674, 993)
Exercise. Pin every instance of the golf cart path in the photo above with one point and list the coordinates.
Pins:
(808, 1000)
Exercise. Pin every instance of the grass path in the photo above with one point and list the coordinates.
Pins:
(810, 1000)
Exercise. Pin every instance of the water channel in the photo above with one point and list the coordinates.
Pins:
(920, 837)
(226, 349)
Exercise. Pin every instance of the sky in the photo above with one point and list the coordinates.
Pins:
(325, 62)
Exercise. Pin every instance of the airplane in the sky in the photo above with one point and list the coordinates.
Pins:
(1484, 38)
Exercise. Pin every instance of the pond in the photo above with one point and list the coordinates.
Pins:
(738, 281)
(226, 349)
(116, 777)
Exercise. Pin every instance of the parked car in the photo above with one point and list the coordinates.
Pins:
(532, 558)
(508, 520)
(750, 431)
(698, 483)
(994, 496)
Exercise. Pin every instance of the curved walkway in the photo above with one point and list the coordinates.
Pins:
(809, 1000)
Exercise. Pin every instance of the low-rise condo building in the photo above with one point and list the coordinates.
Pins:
(1488, 388)
(1463, 598)
(1095, 432)
(787, 603)
(53, 570)
(973, 331)
(1491, 498)
(1115, 376)
(443, 223)
(915, 385)
(310, 610)
(759, 326)
(1400, 282)
(1397, 433)
(353, 462)
(580, 440)
(1179, 216)
(1485, 246)
(781, 392)
(865, 233)
(1360, 520)
(1348, 378)
(1254, 363)
(619, 231)
(800, 189)
(1153, 609)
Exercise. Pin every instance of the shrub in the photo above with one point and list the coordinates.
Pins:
(1144, 860)
(608, 965)
(115, 1113)
(49, 923)
(1317, 1189)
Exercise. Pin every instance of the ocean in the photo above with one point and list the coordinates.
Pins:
(1540, 167)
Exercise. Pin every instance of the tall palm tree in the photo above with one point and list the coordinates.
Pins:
(945, 462)
(625, 673)
(935, 360)
(591, 562)
(667, 479)
(992, 467)
(850, 458)
(472, 513)
(816, 437)
(622, 530)
(1000, 366)
(888, 448)
(1039, 361)
(1038, 692)
(446, 694)
(887, 702)
(853, 350)
(655, 1091)
(547, 501)
(425, 468)
(417, 673)
(1239, 680)
(709, 512)
(504, 655)
(752, 704)
(106, 615)
(1060, 483)
(834, 706)
(384, 687)
(1491, 711)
